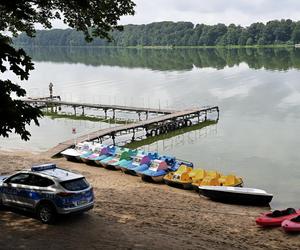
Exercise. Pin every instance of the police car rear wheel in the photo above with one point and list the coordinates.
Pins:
(46, 214)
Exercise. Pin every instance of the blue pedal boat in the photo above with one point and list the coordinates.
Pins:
(89, 156)
(159, 169)
(106, 152)
(140, 165)
(125, 159)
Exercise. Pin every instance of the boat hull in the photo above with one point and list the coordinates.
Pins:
(237, 198)
(156, 179)
(72, 158)
(187, 186)
(291, 226)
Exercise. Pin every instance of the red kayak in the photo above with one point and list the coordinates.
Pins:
(276, 217)
(291, 225)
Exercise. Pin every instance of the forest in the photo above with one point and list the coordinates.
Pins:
(275, 32)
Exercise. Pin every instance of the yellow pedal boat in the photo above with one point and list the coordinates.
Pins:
(188, 178)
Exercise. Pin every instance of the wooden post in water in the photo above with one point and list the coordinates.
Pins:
(74, 107)
(105, 113)
(113, 138)
(51, 90)
(82, 111)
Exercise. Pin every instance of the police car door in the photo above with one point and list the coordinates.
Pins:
(14, 190)
(39, 187)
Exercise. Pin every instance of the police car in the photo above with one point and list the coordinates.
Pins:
(47, 190)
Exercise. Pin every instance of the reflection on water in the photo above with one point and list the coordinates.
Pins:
(257, 90)
(172, 59)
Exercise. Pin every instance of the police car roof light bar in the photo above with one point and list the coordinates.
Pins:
(43, 167)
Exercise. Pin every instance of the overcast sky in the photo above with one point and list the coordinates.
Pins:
(243, 12)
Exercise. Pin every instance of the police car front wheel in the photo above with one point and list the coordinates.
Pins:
(46, 214)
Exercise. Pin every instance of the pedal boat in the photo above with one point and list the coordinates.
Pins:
(214, 178)
(73, 154)
(125, 156)
(113, 158)
(105, 153)
(139, 165)
(179, 178)
(89, 157)
(157, 170)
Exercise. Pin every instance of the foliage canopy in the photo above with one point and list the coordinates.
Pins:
(178, 34)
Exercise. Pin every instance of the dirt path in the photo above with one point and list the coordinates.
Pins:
(131, 214)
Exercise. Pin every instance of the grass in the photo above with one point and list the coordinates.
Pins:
(150, 140)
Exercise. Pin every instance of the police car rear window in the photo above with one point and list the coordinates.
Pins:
(75, 185)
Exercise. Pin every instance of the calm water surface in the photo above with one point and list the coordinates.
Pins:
(257, 90)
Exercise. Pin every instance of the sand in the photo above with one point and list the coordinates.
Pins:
(132, 214)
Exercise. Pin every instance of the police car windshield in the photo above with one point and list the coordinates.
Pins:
(75, 185)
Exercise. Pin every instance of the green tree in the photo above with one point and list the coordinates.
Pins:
(94, 17)
(255, 31)
(296, 33)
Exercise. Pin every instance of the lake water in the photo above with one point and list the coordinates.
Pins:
(257, 90)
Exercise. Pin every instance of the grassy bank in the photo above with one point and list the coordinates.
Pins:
(54, 115)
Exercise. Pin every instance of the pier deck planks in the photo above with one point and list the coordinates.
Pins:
(113, 130)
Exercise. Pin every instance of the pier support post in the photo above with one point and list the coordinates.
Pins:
(133, 135)
(113, 138)
(114, 114)
(105, 113)
(139, 114)
(218, 114)
(74, 107)
(205, 118)
(82, 111)
(198, 117)
(147, 115)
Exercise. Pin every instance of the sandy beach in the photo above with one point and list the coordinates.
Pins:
(132, 214)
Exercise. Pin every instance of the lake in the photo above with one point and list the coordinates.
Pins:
(257, 91)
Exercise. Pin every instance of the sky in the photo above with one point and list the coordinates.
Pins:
(243, 12)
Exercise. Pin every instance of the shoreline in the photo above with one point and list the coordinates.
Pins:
(274, 46)
(132, 214)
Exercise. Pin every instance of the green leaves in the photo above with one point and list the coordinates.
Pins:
(15, 114)
(96, 18)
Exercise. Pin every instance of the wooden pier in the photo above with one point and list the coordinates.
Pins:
(48, 102)
(161, 123)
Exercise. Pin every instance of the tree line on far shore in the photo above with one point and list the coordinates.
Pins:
(167, 33)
